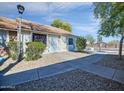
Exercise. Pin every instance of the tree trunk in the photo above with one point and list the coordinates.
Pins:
(120, 47)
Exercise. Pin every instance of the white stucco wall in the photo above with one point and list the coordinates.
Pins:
(61, 41)
(3, 38)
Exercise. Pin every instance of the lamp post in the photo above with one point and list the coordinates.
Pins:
(20, 11)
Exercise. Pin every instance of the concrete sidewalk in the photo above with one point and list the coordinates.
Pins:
(109, 73)
(34, 74)
(84, 64)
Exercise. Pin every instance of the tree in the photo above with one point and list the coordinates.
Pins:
(111, 17)
(80, 43)
(63, 25)
(57, 23)
(90, 39)
(113, 43)
(66, 26)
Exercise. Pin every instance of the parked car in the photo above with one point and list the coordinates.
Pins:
(89, 50)
(2, 59)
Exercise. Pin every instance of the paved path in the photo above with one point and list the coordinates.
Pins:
(84, 64)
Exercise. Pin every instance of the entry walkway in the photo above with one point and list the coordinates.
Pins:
(84, 64)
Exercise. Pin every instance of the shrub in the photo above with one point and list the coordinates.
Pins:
(12, 45)
(80, 43)
(34, 50)
(14, 56)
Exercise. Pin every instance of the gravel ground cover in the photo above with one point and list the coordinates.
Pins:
(75, 80)
(112, 61)
(47, 59)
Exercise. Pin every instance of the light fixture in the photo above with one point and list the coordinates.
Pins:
(20, 8)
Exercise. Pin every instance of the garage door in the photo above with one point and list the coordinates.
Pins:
(54, 43)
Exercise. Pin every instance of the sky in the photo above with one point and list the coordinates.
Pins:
(79, 15)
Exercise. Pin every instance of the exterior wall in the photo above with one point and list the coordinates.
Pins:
(54, 43)
(3, 38)
(12, 35)
(7, 38)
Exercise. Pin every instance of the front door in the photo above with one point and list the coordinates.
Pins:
(71, 46)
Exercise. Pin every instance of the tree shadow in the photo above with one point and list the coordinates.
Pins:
(5, 70)
(6, 48)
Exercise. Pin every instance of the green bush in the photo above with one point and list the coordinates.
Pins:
(12, 45)
(14, 56)
(34, 50)
(80, 43)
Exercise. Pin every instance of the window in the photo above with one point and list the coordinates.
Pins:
(39, 37)
(70, 41)
(12, 36)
